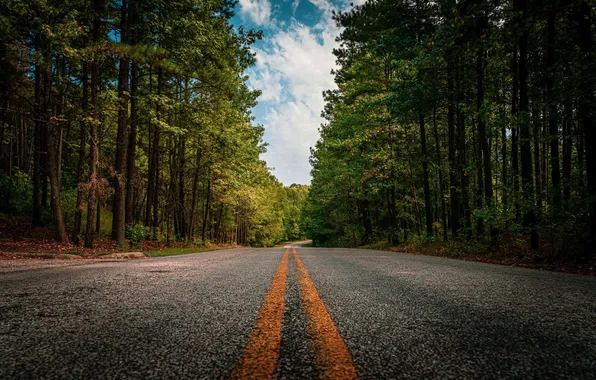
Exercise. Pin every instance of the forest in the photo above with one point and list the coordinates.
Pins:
(469, 122)
(131, 120)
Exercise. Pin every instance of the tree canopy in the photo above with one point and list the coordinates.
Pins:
(137, 112)
(463, 120)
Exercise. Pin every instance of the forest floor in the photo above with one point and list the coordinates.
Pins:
(509, 251)
(18, 239)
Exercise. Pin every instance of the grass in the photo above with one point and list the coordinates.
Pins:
(180, 251)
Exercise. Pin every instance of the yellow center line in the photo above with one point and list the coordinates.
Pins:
(331, 354)
(262, 352)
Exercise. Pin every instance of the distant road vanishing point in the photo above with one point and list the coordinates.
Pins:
(295, 313)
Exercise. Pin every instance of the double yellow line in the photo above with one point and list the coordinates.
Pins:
(261, 355)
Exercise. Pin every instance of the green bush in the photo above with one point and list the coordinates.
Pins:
(17, 194)
(137, 233)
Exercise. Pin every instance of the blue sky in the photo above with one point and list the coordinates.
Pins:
(294, 61)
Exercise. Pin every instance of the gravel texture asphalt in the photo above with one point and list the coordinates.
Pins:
(191, 316)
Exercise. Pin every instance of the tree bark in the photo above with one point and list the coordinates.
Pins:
(156, 153)
(586, 106)
(51, 153)
(529, 217)
(206, 213)
(134, 118)
(453, 178)
(514, 127)
(195, 186)
(118, 205)
(99, 7)
(552, 111)
(426, 185)
(37, 147)
(440, 174)
(482, 135)
(181, 189)
(81, 162)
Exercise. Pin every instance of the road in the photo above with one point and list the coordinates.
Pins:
(295, 313)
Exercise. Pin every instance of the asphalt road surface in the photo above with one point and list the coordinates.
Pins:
(295, 313)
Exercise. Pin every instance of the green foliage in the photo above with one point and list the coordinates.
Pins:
(137, 233)
(17, 194)
(425, 124)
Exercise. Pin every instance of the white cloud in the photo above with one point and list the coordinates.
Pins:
(269, 82)
(293, 71)
(258, 10)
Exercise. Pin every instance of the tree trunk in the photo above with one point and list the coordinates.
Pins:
(586, 106)
(529, 219)
(99, 7)
(38, 112)
(51, 153)
(453, 178)
(206, 213)
(134, 118)
(81, 163)
(181, 192)
(155, 153)
(440, 173)
(552, 112)
(195, 186)
(482, 135)
(567, 151)
(132, 146)
(427, 203)
(461, 148)
(118, 205)
(514, 129)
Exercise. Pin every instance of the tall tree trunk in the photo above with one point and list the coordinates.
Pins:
(529, 219)
(151, 171)
(206, 213)
(453, 177)
(51, 152)
(538, 172)
(99, 7)
(552, 111)
(195, 187)
(81, 163)
(504, 182)
(118, 205)
(440, 174)
(156, 153)
(461, 148)
(479, 183)
(482, 135)
(427, 203)
(586, 106)
(181, 189)
(514, 127)
(133, 17)
(38, 112)
(567, 150)
(132, 146)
